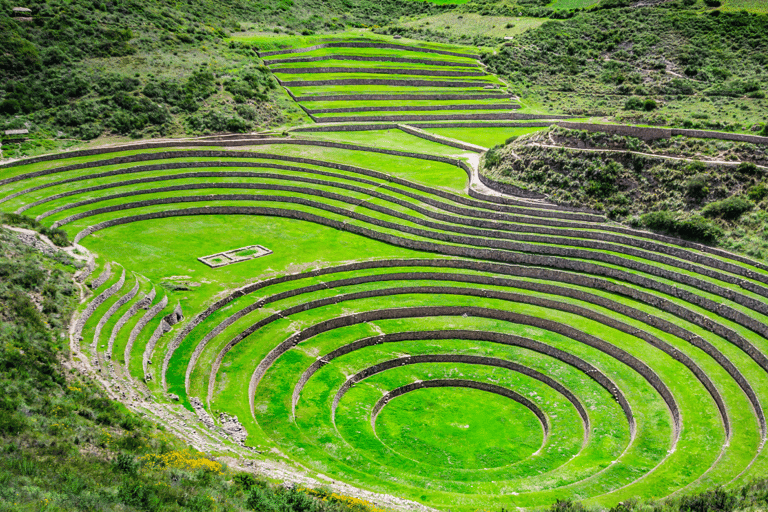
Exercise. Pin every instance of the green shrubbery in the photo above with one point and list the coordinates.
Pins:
(694, 228)
(728, 209)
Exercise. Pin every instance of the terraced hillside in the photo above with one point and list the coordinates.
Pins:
(364, 79)
(356, 306)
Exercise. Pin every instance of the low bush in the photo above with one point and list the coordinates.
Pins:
(694, 228)
(696, 187)
(758, 192)
(729, 209)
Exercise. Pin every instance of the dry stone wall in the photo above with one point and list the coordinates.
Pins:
(111, 311)
(646, 133)
(419, 312)
(490, 254)
(143, 321)
(143, 303)
(93, 305)
(407, 96)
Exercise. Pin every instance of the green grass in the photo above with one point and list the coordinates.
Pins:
(572, 4)
(470, 25)
(487, 137)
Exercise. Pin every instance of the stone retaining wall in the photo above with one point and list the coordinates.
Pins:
(510, 241)
(429, 117)
(111, 311)
(437, 358)
(102, 278)
(360, 44)
(558, 245)
(368, 58)
(144, 303)
(379, 71)
(537, 273)
(143, 321)
(442, 140)
(563, 238)
(489, 124)
(525, 299)
(416, 108)
(507, 188)
(421, 312)
(471, 252)
(93, 305)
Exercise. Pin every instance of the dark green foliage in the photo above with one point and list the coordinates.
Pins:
(758, 192)
(602, 179)
(717, 500)
(215, 121)
(492, 158)
(713, 3)
(694, 228)
(729, 209)
(748, 168)
(633, 103)
(696, 187)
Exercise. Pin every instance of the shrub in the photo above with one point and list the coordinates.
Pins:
(717, 500)
(649, 105)
(633, 103)
(696, 187)
(747, 168)
(728, 209)
(713, 3)
(758, 192)
(694, 228)
(492, 158)
(262, 500)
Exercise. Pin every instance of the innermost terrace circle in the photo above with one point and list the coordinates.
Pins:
(461, 428)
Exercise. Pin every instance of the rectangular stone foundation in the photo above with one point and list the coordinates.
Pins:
(222, 259)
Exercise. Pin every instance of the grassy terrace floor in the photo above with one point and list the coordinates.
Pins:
(408, 337)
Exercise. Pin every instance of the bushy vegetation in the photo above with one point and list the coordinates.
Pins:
(650, 57)
(685, 198)
(69, 73)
